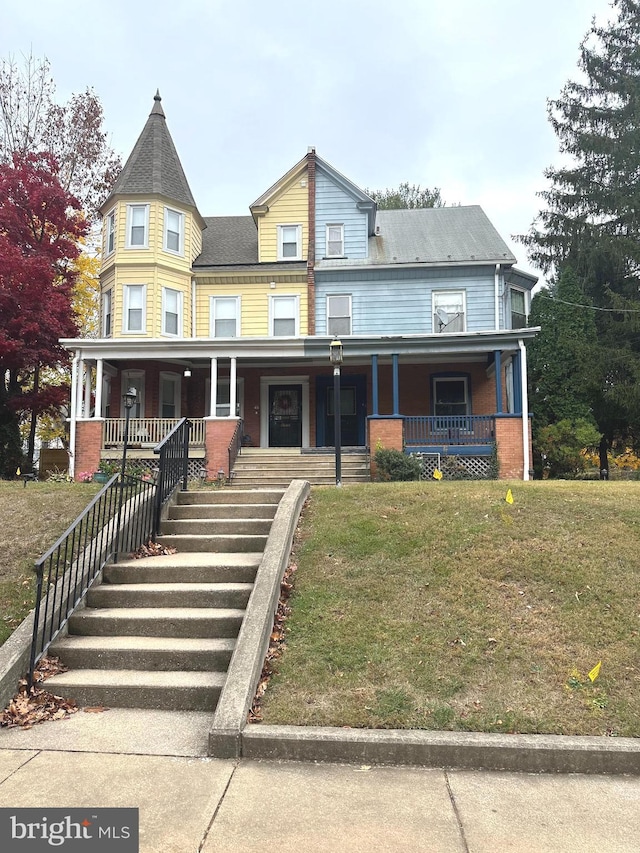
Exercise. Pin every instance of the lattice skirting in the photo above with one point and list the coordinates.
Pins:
(195, 467)
(455, 467)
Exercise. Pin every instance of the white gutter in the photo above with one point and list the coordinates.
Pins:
(496, 296)
(525, 409)
(72, 424)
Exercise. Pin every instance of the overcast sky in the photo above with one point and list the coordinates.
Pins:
(442, 93)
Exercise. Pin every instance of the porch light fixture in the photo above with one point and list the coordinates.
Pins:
(129, 401)
(187, 372)
(335, 357)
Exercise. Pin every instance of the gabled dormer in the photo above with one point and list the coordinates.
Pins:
(282, 217)
(152, 232)
(344, 215)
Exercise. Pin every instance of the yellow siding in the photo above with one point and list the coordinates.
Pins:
(289, 207)
(254, 304)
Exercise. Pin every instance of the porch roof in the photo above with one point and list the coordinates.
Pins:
(299, 349)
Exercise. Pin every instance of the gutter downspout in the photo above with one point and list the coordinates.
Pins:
(72, 419)
(496, 296)
(525, 409)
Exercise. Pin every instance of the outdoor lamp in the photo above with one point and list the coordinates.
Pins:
(129, 399)
(335, 352)
(335, 357)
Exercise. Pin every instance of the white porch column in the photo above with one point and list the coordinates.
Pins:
(86, 411)
(232, 389)
(72, 414)
(79, 388)
(525, 409)
(98, 410)
(213, 403)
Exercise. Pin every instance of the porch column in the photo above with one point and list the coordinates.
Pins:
(73, 414)
(79, 388)
(497, 361)
(374, 384)
(517, 384)
(87, 390)
(99, 379)
(213, 403)
(396, 387)
(525, 411)
(232, 388)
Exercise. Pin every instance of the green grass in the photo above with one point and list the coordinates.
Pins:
(32, 518)
(440, 606)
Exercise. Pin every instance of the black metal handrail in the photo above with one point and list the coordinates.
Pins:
(173, 466)
(67, 570)
(235, 445)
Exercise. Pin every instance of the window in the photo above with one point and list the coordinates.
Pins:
(450, 395)
(223, 398)
(137, 226)
(134, 308)
(106, 314)
(339, 315)
(518, 303)
(335, 241)
(169, 395)
(283, 314)
(225, 316)
(171, 311)
(289, 242)
(449, 311)
(111, 232)
(173, 231)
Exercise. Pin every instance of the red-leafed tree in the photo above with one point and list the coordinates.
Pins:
(40, 225)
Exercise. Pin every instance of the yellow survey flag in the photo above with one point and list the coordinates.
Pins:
(18, 472)
(595, 672)
(437, 474)
(509, 497)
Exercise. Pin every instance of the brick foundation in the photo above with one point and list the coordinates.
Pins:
(384, 432)
(88, 446)
(218, 435)
(509, 440)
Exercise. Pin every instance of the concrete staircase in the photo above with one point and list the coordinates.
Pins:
(159, 632)
(277, 467)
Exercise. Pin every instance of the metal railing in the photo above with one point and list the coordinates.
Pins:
(119, 518)
(235, 445)
(449, 429)
(147, 432)
(173, 465)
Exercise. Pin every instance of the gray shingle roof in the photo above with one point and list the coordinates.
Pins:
(439, 235)
(153, 165)
(228, 241)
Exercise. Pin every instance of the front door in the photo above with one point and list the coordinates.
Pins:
(353, 411)
(285, 416)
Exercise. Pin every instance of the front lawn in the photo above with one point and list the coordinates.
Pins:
(442, 606)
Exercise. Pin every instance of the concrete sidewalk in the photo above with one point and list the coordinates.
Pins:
(189, 802)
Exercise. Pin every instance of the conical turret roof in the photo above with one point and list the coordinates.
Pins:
(153, 166)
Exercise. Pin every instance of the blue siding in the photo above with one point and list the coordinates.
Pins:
(335, 206)
(398, 302)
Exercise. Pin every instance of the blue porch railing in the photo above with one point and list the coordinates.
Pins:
(423, 431)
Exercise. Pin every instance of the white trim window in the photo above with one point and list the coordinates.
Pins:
(450, 395)
(339, 314)
(173, 231)
(110, 233)
(137, 226)
(289, 242)
(169, 396)
(171, 312)
(134, 317)
(223, 398)
(284, 316)
(449, 311)
(517, 308)
(107, 302)
(224, 317)
(334, 241)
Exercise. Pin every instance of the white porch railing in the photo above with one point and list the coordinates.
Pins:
(147, 432)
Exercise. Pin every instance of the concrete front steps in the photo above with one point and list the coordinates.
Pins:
(277, 467)
(159, 632)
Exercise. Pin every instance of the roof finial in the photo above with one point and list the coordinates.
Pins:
(157, 106)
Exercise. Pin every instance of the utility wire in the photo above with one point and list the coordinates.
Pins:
(593, 307)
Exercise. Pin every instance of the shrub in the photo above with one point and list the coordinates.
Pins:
(394, 465)
(561, 446)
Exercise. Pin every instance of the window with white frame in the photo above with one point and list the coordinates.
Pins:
(283, 316)
(225, 317)
(518, 308)
(450, 395)
(173, 231)
(171, 311)
(449, 311)
(335, 241)
(289, 242)
(339, 314)
(110, 232)
(137, 226)
(169, 395)
(134, 315)
(106, 313)
(223, 398)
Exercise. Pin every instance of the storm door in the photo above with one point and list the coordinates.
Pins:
(285, 415)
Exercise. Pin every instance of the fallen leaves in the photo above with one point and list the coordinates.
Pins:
(152, 549)
(27, 708)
